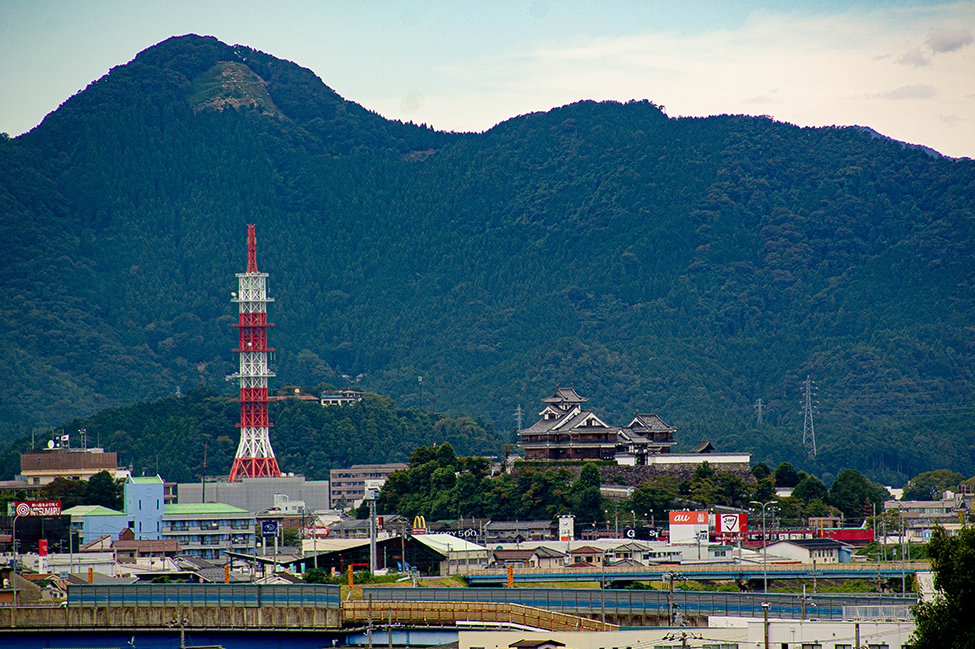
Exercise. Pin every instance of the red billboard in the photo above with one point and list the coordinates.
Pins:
(688, 518)
(731, 527)
(42, 548)
(32, 508)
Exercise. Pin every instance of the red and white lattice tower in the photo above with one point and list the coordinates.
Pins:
(254, 459)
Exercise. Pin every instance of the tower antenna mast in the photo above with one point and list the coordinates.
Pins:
(808, 430)
(255, 458)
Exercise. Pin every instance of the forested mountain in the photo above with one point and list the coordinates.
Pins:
(685, 266)
(173, 436)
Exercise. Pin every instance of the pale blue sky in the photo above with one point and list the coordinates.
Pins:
(906, 69)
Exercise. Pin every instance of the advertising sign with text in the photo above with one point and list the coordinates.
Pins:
(685, 527)
(34, 508)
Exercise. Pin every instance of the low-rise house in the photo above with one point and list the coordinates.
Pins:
(587, 555)
(131, 551)
(809, 550)
(538, 557)
(514, 531)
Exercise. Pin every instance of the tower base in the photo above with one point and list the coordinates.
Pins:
(254, 467)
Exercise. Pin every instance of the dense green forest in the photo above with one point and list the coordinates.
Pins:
(170, 435)
(688, 266)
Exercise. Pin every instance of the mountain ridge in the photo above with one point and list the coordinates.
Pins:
(684, 265)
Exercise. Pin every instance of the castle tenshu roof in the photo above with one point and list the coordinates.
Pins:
(565, 395)
(575, 418)
(651, 423)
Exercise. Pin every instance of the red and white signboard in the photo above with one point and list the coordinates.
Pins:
(42, 548)
(731, 527)
(688, 518)
(687, 527)
(34, 508)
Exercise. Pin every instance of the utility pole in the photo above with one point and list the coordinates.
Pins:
(758, 409)
(808, 431)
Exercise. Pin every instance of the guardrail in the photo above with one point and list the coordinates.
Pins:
(200, 595)
(791, 570)
(593, 602)
(822, 569)
(431, 612)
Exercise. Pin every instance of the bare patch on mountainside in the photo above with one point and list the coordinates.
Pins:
(231, 84)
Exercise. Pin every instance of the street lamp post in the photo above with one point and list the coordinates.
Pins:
(765, 606)
(13, 574)
(616, 518)
(764, 545)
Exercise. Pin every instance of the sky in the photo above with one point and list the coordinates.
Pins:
(905, 69)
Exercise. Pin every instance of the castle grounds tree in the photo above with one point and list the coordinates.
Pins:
(104, 490)
(786, 475)
(587, 502)
(656, 497)
(809, 489)
(947, 622)
(853, 494)
(930, 485)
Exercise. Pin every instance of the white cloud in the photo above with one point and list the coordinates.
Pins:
(915, 57)
(909, 92)
(949, 41)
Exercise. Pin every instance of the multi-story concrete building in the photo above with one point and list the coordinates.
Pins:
(348, 486)
(340, 397)
(45, 466)
(206, 530)
(144, 502)
(257, 494)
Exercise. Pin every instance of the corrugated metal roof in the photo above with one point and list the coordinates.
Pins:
(446, 542)
(147, 480)
(202, 508)
(91, 510)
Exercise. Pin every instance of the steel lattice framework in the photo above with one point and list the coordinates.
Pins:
(255, 458)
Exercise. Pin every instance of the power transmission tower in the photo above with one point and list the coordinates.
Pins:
(808, 431)
(758, 409)
(518, 416)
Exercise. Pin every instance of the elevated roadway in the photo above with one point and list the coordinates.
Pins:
(727, 571)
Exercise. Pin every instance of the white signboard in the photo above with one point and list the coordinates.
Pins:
(566, 528)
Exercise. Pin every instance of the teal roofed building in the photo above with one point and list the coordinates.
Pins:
(206, 530)
(91, 522)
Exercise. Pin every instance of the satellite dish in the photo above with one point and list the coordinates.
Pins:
(50, 443)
